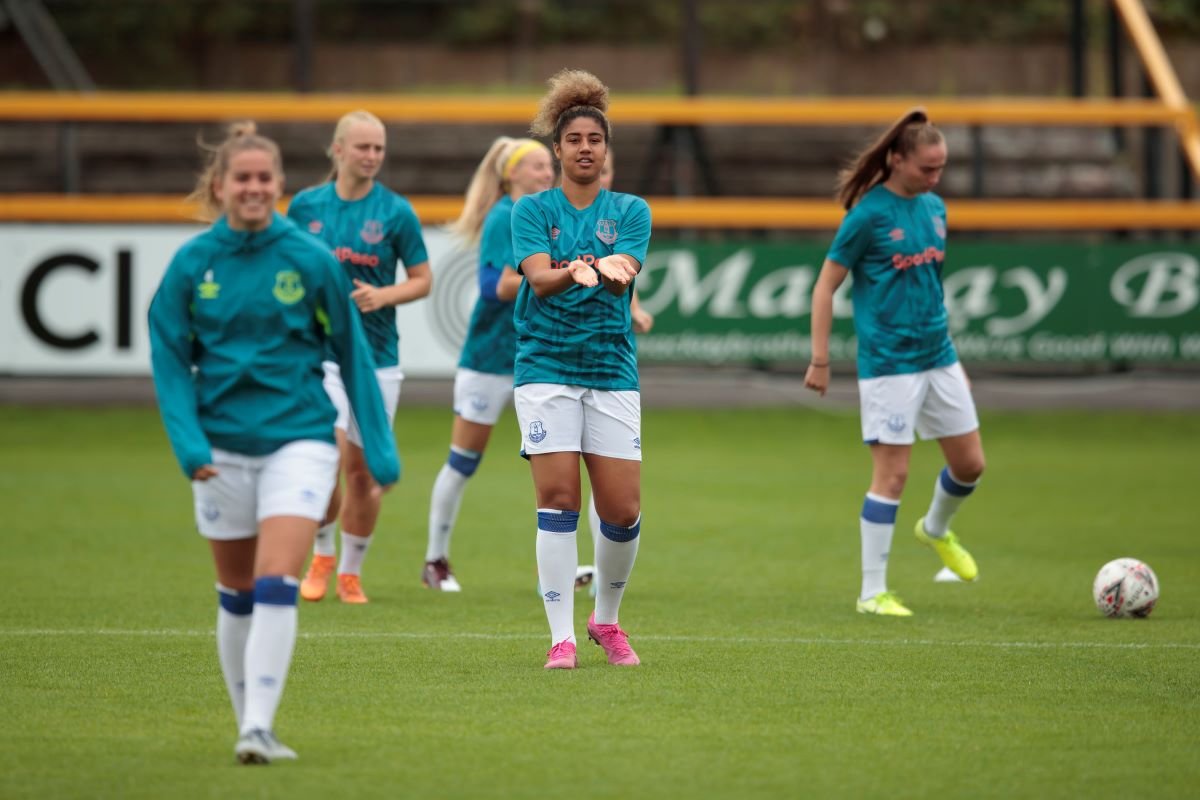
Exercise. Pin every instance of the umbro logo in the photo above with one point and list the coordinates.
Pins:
(552, 596)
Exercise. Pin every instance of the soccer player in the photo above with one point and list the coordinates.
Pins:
(370, 229)
(483, 383)
(893, 241)
(576, 381)
(238, 329)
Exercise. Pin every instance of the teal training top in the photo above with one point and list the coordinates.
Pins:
(582, 336)
(894, 248)
(368, 236)
(491, 341)
(238, 329)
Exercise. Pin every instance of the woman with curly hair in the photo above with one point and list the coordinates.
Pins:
(580, 248)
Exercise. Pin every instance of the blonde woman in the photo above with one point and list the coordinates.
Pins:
(511, 169)
(238, 328)
(371, 231)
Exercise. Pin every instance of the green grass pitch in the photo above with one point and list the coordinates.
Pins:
(758, 679)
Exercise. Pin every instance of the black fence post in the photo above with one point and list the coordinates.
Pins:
(304, 25)
(1116, 67)
(1079, 35)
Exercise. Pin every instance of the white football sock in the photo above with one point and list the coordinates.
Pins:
(448, 491)
(234, 614)
(876, 525)
(354, 550)
(325, 544)
(269, 649)
(948, 494)
(557, 560)
(616, 550)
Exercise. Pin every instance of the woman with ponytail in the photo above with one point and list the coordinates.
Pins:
(238, 329)
(580, 248)
(893, 242)
(511, 169)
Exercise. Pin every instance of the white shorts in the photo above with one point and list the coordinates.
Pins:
(481, 396)
(294, 481)
(389, 379)
(932, 404)
(556, 418)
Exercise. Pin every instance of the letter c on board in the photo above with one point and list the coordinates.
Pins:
(29, 308)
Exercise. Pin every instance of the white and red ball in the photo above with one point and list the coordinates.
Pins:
(1125, 587)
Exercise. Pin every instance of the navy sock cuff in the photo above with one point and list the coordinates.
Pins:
(617, 533)
(952, 486)
(878, 511)
(464, 462)
(276, 590)
(235, 602)
(553, 521)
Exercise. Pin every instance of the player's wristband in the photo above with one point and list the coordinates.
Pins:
(815, 364)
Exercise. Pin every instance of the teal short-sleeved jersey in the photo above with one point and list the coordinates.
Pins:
(491, 338)
(238, 329)
(582, 336)
(368, 236)
(894, 248)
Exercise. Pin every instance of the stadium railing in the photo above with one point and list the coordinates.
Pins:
(693, 212)
(715, 213)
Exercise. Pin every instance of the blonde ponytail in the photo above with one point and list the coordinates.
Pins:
(489, 184)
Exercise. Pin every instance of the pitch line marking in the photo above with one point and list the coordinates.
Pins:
(667, 638)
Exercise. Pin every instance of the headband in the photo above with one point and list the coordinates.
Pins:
(523, 150)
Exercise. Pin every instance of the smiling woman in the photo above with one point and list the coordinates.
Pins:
(242, 181)
(238, 328)
(580, 247)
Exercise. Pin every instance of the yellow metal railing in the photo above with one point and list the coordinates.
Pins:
(1170, 109)
(728, 213)
(178, 107)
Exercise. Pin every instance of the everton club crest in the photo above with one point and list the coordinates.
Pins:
(372, 231)
(606, 231)
(939, 226)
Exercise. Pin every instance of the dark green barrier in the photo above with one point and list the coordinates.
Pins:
(1009, 303)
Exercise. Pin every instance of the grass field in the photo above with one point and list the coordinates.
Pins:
(758, 679)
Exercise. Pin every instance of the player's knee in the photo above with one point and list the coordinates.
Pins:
(358, 480)
(892, 484)
(558, 497)
(968, 470)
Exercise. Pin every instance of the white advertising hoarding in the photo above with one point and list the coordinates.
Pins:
(75, 299)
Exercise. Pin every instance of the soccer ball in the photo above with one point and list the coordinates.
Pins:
(1125, 588)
